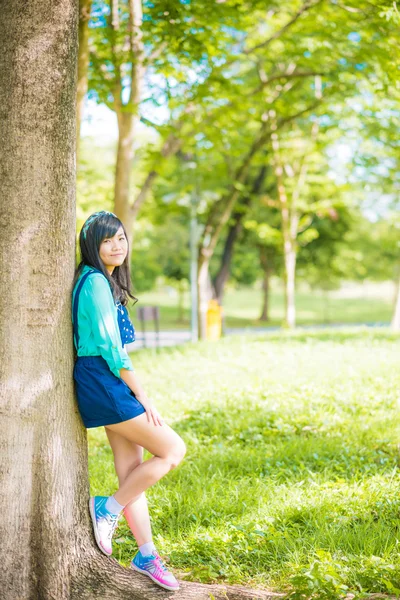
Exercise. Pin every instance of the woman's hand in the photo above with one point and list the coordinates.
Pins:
(151, 411)
(135, 386)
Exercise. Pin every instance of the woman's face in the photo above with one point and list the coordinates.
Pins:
(113, 250)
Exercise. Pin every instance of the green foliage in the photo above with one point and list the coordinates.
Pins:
(145, 266)
(325, 577)
(160, 250)
(246, 265)
(95, 179)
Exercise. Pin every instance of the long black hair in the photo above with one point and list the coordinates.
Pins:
(103, 226)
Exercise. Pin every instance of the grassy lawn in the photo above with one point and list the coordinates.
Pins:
(243, 306)
(291, 479)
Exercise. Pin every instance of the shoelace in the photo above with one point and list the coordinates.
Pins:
(111, 520)
(160, 563)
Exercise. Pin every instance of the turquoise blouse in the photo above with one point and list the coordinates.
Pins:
(98, 323)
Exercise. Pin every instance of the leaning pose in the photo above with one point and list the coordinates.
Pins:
(109, 393)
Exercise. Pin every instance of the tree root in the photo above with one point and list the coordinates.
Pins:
(102, 578)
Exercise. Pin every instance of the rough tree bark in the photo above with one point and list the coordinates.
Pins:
(48, 550)
(83, 62)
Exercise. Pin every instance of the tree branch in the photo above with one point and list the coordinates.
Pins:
(350, 9)
(294, 75)
(170, 147)
(156, 52)
(216, 222)
(142, 195)
(234, 230)
(309, 4)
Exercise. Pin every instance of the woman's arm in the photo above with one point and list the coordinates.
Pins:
(133, 383)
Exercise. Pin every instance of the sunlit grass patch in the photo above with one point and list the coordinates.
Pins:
(291, 478)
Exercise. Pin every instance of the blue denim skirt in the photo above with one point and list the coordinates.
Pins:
(103, 398)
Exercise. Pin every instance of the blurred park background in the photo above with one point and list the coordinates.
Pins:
(251, 149)
(265, 133)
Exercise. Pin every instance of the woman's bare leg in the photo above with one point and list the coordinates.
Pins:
(127, 456)
(162, 441)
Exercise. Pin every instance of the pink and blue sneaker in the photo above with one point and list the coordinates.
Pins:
(104, 523)
(153, 567)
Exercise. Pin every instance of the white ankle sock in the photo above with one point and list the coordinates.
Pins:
(113, 506)
(146, 549)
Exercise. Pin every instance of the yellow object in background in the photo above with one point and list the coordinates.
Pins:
(214, 320)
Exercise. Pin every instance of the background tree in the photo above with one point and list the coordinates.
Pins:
(263, 233)
(142, 55)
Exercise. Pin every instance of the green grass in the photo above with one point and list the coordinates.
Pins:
(242, 308)
(291, 479)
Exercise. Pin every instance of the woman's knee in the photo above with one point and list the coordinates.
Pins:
(176, 453)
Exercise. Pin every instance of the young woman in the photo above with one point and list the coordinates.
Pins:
(109, 393)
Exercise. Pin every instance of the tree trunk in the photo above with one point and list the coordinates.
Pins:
(233, 233)
(290, 294)
(83, 62)
(218, 216)
(44, 525)
(128, 114)
(289, 233)
(205, 292)
(396, 312)
(224, 269)
(221, 210)
(265, 303)
(126, 128)
(267, 270)
(181, 298)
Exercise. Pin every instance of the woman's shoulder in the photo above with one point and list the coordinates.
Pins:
(97, 277)
(88, 278)
(86, 273)
(95, 283)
